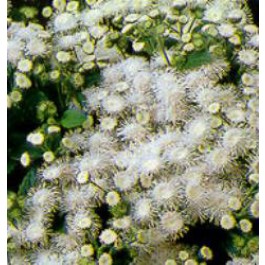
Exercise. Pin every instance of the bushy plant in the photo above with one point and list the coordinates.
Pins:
(144, 126)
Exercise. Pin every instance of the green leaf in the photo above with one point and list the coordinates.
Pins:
(35, 152)
(28, 182)
(72, 119)
(197, 59)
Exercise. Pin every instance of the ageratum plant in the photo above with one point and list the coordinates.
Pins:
(156, 106)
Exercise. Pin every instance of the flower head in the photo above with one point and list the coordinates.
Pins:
(108, 236)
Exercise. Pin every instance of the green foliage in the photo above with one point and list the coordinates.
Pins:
(120, 209)
(196, 59)
(72, 119)
(242, 244)
(29, 181)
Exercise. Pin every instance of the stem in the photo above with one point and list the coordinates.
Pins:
(162, 51)
(188, 26)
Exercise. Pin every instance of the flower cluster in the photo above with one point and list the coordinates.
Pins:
(170, 142)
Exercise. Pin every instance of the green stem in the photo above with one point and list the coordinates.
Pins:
(162, 50)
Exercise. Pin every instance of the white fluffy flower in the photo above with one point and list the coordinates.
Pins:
(228, 222)
(35, 232)
(171, 222)
(36, 47)
(64, 22)
(14, 51)
(63, 57)
(214, 13)
(164, 193)
(108, 123)
(120, 86)
(132, 131)
(94, 162)
(81, 220)
(248, 57)
(179, 154)
(46, 257)
(67, 42)
(132, 66)
(108, 236)
(22, 81)
(44, 198)
(122, 223)
(82, 177)
(114, 104)
(197, 130)
(236, 114)
(254, 41)
(149, 163)
(25, 65)
(113, 198)
(105, 259)
(237, 140)
(143, 210)
(91, 17)
(142, 81)
(113, 75)
(168, 90)
(226, 30)
(195, 194)
(100, 141)
(254, 209)
(218, 159)
(87, 250)
(36, 138)
(124, 180)
(234, 203)
(52, 172)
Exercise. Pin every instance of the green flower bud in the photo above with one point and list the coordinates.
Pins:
(128, 29)
(253, 245)
(47, 12)
(55, 74)
(29, 12)
(132, 18)
(89, 66)
(183, 19)
(78, 79)
(154, 13)
(138, 46)
(39, 68)
(88, 47)
(16, 96)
